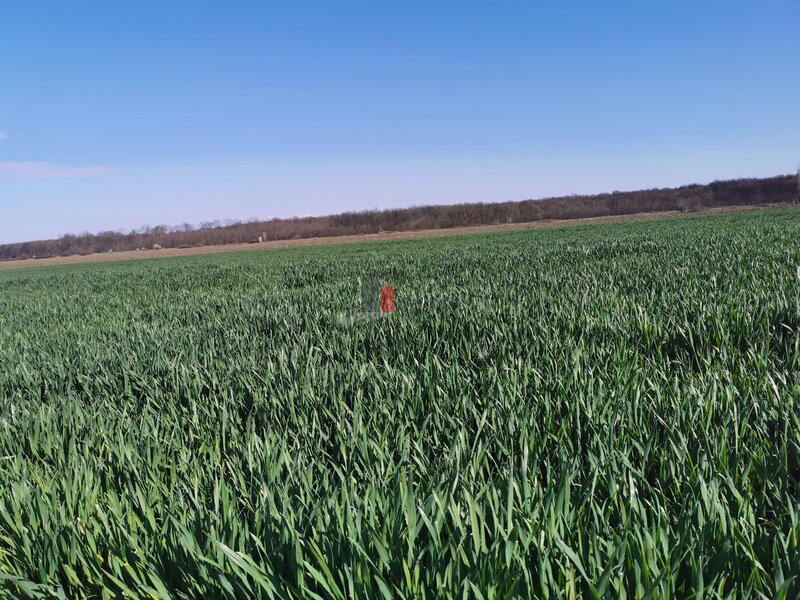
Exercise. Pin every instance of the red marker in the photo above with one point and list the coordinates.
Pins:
(387, 299)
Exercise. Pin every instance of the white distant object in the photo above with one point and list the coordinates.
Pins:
(157, 247)
(260, 239)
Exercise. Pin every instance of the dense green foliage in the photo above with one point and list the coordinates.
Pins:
(588, 412)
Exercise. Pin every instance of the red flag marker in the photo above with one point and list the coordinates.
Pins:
(387, 299)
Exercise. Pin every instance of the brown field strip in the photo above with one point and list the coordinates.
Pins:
(351, 239)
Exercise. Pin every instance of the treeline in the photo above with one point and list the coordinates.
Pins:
(774, 190)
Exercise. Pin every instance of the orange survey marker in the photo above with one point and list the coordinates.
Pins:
(387, 299)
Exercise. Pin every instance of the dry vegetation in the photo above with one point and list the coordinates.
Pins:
(691, 198)
(185, 250)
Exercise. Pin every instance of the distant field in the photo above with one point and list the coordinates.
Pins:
(350, 239)
(601, 411)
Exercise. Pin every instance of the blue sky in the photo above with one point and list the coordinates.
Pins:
(119, 114)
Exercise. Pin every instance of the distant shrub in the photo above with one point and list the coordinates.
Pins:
(689, 198)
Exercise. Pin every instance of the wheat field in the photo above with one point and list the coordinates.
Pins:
(600, 411)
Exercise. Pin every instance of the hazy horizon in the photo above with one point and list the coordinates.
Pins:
(223, 219)
(117, 116)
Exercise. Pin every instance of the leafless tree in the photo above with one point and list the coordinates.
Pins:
(781, 189)
(798, 184)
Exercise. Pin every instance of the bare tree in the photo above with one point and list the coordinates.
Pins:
(783, 189)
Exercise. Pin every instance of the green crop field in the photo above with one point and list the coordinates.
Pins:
(591, 412)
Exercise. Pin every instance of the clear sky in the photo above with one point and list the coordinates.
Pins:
(116, 114)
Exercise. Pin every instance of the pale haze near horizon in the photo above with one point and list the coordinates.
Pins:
(117, 116)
